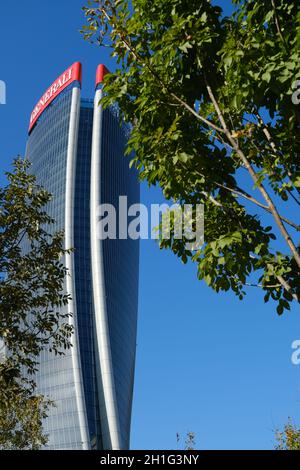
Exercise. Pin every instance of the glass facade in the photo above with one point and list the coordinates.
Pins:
(48, 149)
(121, 258)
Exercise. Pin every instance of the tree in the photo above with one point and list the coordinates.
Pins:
(190, 440)
(289, 438)
(21, 412)
(213, 121)
(31, 296)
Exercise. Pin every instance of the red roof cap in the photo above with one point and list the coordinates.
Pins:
(101, 72)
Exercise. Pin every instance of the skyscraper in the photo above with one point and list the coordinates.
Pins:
(77, 153)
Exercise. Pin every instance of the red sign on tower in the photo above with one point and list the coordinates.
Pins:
(72, 74)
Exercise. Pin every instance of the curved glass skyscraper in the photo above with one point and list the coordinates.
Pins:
(77, 154)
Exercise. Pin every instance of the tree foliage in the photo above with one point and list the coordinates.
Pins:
(189, 443)
(31, 299)
(21, 412)
(289, 438)
(210, 101)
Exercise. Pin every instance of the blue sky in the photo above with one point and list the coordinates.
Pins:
(206, 363)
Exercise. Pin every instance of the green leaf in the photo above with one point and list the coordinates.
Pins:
(266, 76)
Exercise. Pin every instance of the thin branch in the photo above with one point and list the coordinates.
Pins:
(290, 191)
(244, 194)
(266, 132)
(212, 199)
(255, 179)
(274, 286)
(277, 23)
(224, 208)
(287, 287)
(198, 116)
(146, 64)
(274, 148)
(241, 193)
(282, 282)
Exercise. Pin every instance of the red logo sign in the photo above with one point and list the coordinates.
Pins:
(70, 75)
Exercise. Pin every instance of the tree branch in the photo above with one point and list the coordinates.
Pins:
(263, 287)
(277, 22)
(240, 192)
(255, 179)
(287, 287)
(146, 64)
(274, 148)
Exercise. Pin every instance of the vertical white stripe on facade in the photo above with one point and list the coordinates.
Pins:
(70, 278)
(108, 407)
